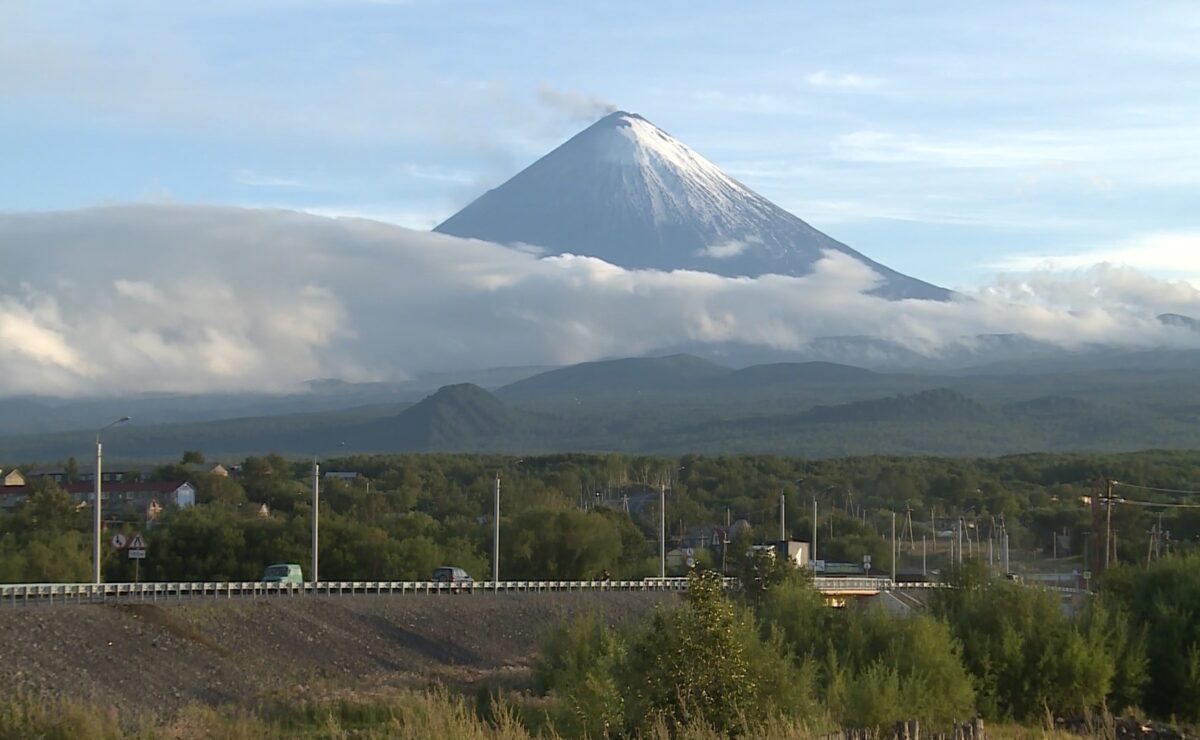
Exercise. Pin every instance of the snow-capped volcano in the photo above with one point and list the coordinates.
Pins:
(627, 192)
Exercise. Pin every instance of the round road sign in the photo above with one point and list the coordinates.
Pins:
(118, 541)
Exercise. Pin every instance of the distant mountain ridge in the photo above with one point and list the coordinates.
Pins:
(629, 193)
(635, 374)
(681, 404)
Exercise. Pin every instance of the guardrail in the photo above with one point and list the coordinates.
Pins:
(26, 593)
(52, 593)
(857, 584)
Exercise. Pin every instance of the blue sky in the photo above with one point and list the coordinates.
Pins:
(949, 140)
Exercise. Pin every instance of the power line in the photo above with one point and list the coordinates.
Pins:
(1153, 504)
(1158, 490)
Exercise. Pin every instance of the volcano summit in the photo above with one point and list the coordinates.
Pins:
(625, 191)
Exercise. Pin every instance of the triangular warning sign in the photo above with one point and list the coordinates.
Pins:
(136, 542)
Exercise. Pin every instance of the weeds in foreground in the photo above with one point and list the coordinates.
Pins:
(407, 714)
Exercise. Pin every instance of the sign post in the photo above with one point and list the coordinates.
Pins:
(137, 552)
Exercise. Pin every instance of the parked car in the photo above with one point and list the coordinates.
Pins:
(454, 576)
(283, 573)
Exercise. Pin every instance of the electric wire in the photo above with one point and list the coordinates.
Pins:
(1157, 490)
(1156, 505)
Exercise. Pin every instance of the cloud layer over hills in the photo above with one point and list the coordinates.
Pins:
(196, 298)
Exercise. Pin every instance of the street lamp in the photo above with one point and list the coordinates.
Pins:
(96, 516)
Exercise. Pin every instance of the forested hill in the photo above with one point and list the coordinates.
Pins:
(682, 403)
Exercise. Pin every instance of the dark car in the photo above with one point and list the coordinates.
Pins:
(456, 577)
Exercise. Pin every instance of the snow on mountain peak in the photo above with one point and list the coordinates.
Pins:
(629, 193)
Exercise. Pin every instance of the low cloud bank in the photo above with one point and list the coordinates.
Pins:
(190, 298)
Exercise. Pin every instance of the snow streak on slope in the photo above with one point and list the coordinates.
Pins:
(627, 192)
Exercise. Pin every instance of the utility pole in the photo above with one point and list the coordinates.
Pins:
(782, 518)
(924, 563)
(662, 530)
(97, 519)
(894, 550)
(97, 516)
(813, 555)
(316, 519)
(1108, 523)
(496, 534)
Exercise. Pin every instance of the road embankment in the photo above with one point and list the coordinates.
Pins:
(157, 658)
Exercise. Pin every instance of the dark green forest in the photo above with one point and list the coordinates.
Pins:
(564, 516)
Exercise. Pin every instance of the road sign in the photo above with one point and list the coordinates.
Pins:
(689, 551)
(119, 541)
(691, 562)
(136, 554)
(136, 542)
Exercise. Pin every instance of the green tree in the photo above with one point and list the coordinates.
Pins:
(192, 457)
(559, 545)
(700, 664)
(578, 666)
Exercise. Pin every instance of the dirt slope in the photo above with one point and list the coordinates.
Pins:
(157, 658)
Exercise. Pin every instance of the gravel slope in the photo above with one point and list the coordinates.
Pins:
(151, 658)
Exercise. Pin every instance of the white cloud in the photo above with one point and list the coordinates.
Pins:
(438, 174)
(1170, 255)
(258, 179)
(731, 248)
(281, 297)
(844, 81)
(1099, 159)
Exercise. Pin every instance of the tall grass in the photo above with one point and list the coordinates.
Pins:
(389, 713)
(404, 714)
(24, 716)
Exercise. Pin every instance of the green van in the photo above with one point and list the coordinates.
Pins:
(283, 573)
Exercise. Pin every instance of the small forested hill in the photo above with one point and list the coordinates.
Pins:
(453, 417)
(937, 404)
(631, 376)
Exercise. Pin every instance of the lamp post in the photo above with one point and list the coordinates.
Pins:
(97, 519)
